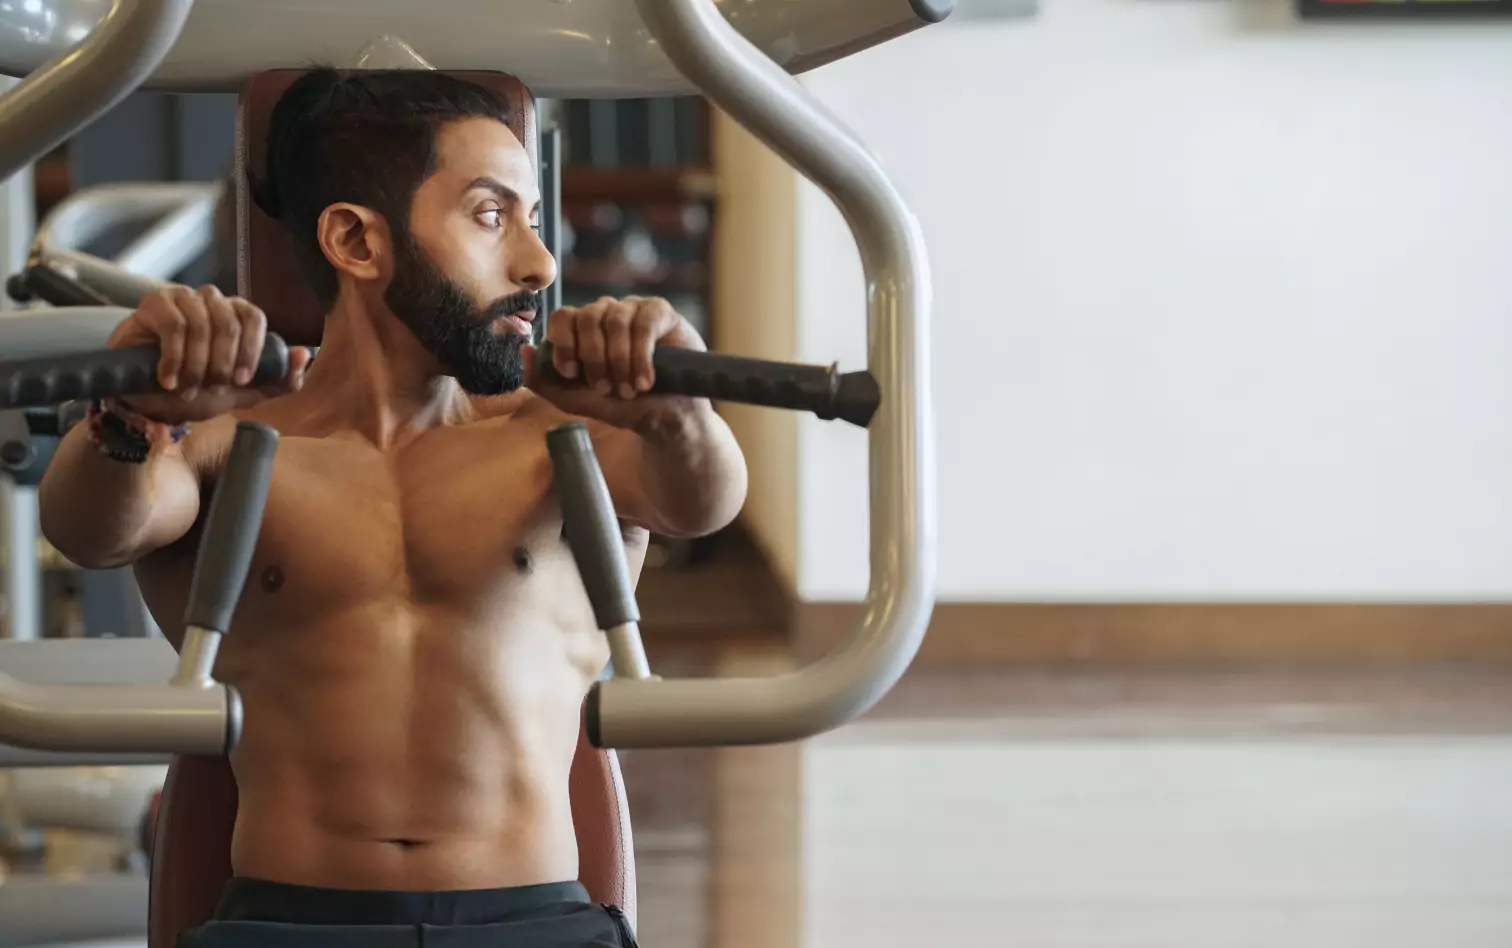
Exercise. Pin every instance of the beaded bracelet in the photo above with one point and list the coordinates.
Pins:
(125, 435)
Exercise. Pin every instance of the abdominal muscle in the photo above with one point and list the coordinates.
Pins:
(392, 749)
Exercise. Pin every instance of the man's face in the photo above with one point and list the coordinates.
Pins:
(467, 271)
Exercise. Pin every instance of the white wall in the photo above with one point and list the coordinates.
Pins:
(1223, 304)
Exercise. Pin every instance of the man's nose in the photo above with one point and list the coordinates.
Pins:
(531, 265)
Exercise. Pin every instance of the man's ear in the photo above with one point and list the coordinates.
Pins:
(355, 239)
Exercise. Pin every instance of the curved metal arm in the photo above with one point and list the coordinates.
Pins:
(81, 84)
(80, 218)
(184, 229)
(842, 685)
(183, 215)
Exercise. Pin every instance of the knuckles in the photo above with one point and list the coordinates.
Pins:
(613, 314)
(187, 306)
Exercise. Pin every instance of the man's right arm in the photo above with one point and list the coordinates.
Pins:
(103, 513)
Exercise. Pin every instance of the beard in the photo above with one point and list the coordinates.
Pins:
(453, 328)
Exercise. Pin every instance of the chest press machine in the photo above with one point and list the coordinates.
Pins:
(114, 708)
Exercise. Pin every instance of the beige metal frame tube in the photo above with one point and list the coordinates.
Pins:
(735, 76)
(118, 662)
(82, 83)
(122, 719)
(182, 231)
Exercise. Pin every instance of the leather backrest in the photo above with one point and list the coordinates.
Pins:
(267, 272)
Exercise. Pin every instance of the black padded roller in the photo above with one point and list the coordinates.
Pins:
(32, 383)
(231, 529)
(823, 390)
(592, 529)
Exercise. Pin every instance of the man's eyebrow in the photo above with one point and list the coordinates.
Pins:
(506, 194)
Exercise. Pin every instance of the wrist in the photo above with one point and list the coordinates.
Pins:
(123, 434)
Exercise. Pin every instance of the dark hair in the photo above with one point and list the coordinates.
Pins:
(364, 137)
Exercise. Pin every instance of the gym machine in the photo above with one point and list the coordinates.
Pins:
(72, 703)
(171, 228)
(674, 46)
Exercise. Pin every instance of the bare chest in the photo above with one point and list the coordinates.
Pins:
(448, 555)
(442, 523)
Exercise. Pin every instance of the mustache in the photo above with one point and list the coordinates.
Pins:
(525, 301)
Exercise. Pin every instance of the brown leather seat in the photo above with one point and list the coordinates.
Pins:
(192, 853)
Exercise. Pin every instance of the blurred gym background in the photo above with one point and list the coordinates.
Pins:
(1223, 329)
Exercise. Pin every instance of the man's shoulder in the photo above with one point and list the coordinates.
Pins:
(208, 442)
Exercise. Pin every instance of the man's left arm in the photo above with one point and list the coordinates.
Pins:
(672, 464)
(682, 475)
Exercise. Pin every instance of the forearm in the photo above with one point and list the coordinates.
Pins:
(692, 472)
(102, 513)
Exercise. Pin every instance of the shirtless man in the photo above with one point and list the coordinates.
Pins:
(414, 644)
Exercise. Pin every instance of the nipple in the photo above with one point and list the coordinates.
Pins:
(272, 579)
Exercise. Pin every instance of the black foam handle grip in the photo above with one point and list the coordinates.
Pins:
(821, 389)
(32, 383)
(592, 529)
(231, 529)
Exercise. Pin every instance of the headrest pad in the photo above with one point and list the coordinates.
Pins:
(267, 272)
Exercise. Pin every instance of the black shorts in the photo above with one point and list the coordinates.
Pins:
(256, 914)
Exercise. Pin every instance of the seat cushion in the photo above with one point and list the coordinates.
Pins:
(268, 273)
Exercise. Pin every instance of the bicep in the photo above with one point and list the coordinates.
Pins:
(175, 503)
(103, 513)
(621, 457)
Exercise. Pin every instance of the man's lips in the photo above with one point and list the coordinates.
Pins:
(518, 323)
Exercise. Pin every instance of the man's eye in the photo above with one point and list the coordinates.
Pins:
(493, 217)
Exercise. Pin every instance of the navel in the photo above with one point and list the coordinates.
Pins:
(272, 579)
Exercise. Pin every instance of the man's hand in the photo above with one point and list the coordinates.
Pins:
(604, 351)
(210, 346)
(676, 469)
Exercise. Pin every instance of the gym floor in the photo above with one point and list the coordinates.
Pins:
(1098, 810)
(1088, 809)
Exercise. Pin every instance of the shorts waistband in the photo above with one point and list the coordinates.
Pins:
(257, 900)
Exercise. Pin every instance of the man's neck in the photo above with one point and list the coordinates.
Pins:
(374, 377)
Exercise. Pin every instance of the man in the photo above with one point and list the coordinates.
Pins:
(413, 644)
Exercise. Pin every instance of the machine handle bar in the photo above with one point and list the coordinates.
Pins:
(821, 389)
(102, 373)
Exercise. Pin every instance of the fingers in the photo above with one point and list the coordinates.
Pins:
(253, 336)
(591, 351)
(618, 370)
(196, 320)
(652, 320)
(162, 320)
(562, 331)
(609, 343)
(224, 344)
(299, 362)
(206, 340)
